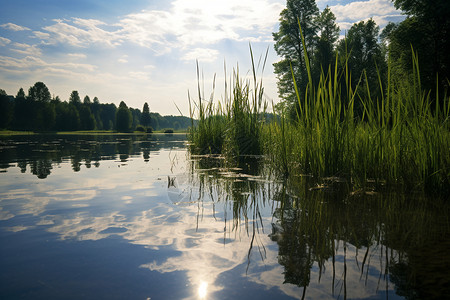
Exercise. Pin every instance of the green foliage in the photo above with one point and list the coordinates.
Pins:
(67, 117)
(427, 30)
(124, 119)
(362, 55)
(86, 100)
(87, 120)
(45, 116)
(159, 122)
(329, 34)
(39, 92)
(20, 94)
(288, 46)
(140, 128)
(208, 135)
(401, 140)
(145, 116)
(232, 127)
(75, 98)
(6, 110)
(37, 112)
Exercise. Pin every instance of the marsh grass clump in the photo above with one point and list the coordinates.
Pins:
(207, 136)
(234, 125)
(401, 139)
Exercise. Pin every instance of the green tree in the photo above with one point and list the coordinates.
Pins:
(87, 120)
(427, 30)
(364, 54)
(45, 116)
(124, 119)
(96, 108)
(23, 112)
(20, 94)
(43, 113)
(87, 100)
(329, 34)
(108, 116)
(67, 117)
(39, 92)
(136, 115)
(288, 45)
(6, 110)
(145, 116)
(75, 98)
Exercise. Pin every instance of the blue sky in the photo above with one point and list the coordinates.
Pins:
(146, 50)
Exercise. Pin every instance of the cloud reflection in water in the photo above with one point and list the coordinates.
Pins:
(134, 202)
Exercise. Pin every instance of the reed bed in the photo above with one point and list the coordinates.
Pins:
(234, 125)
(401, 139)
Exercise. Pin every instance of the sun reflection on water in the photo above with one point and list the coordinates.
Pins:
(203, 290)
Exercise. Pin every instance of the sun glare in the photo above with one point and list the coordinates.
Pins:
(202, 290)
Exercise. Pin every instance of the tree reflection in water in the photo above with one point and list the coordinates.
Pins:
(307, 242)
(42, 152)
(333, 233)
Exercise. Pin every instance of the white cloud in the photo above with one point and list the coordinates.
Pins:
(41, 35)
(357, 11)
(123, 59)
(201, 54)
(14, 27)
(77, 55)
(26, 49)
(197, 22)
(33, 63)
(81, 33)
(4, 41)
(140, 75)
(186, 24)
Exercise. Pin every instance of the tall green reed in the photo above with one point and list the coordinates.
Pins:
(208, 135)
(233, 126)
(401, 139)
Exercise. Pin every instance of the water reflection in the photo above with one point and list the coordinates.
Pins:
(42, 152)
(204, 227)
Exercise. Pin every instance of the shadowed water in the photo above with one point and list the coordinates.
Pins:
(136, 217)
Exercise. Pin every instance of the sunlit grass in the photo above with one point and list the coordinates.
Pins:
(232, 126)
(401, 140)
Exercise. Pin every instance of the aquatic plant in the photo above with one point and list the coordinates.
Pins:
(232, 126)
(400, 139)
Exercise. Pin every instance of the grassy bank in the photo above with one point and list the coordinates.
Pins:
(400, 140)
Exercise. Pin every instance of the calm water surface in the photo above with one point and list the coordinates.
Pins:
(136, 217)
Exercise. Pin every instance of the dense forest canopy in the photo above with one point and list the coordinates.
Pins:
(38, 111)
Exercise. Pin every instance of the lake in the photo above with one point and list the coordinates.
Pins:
(137, 217)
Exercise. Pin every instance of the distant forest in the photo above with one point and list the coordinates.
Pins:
(38, 111)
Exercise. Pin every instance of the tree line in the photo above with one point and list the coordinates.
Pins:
(365, 51)
(38, 111)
